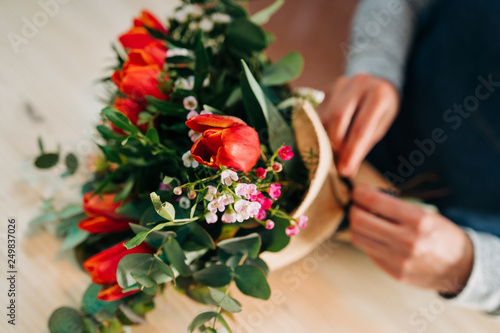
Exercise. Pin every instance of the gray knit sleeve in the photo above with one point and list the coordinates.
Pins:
(482, 291)
(381, 36)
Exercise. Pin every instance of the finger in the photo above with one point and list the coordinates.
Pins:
(342, 108)
(385, 205)
(362, 135)
(370, 246)
(373, 227)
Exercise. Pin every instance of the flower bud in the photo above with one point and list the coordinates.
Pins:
(177, 190)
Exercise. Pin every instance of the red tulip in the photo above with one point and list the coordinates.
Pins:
(139, 76)
(103, 217)
(138, 37)
(114, 293)
(103, 224)
(102, 266)
(226, 141)
(131, 109)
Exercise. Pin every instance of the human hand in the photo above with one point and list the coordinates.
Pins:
(411, 244)
(357, 113)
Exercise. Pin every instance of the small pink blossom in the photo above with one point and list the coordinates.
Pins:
(216, 204)
(226, 199)
(229, 217)
(302, 221)
(194, 136)
(191, 114)
(269, 224)
(246, 190)
(265, 203)
(261, 215)
(228, 176)
(292, 231)
(261, 173)
(246, 209)
(211, 192)
(274, 191)
(257, 196)
(211, 217)
(285, 153)
(190, 103)
(277, 167)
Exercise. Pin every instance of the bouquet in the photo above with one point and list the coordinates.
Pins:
(198, 174)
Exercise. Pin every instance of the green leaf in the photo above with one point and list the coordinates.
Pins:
(165, 209)
(212, 109)
(201, 236)
(161, 272)
(263, 15)
(65, 320)
(276, 240)
(214, 276)
(176, 257)
(152, 135)
(108, 134)
(249, 245)
(126, 190)
(138, 263)
(263, 114)
(259, 263)
(75, 237)
(143, 279)
(202, 63)
(119, 120)
(224, 322)
(168, 108)
(179, 60)
(154, 238)
(134, 209)
(225, 301)
(201, 318)
(91, 305)
(286, 69)
(151, 291)
(40, 145)
(244, 35)
(70, 211)
(42, 219)
(71, 163)
(47, 161)
(251, 281)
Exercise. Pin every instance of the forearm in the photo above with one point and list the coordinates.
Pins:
(381, 36)
(482, 291)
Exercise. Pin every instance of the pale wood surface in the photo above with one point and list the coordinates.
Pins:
(334, 289)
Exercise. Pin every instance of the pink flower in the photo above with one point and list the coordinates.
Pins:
(246, 209)
(269, 224)
(246, 190)
(261, 215)
(211, 217)
(277, 167)
(211, 193)
(229, 217)
(265, 203)
(257, 196)
(261, 173)
(292, 231)
(302, 221)
(285, 153)
(228, 176)
(191, 114)
(274, 191)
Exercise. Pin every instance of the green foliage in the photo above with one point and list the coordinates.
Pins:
(225, 301)
(251, 281)
(214, 276)
(142, 265)
(247, 245)
(286, 69)
(91, 305)
(176, 257)
(263, 16)
(201, 318)
(65, 320)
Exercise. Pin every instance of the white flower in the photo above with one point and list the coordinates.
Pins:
(220, 18)
(206, 24)
(211, 217)
(216, 204)
(193, 25)
(193, 10)
(190, 103)
(226, 199)
(189, 160)
(229, 217)
(212, 191)
(183, 83)
(180, 16)
(194, 136)
(228, 176)
(246, 209)
(246, 190)
(317, 96)
(184, 202)
(177, 52)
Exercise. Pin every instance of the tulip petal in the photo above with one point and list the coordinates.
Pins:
(113, 293)
(240, 148)
(204, 122)
(103, 224)
(102, 205)
(136, 38)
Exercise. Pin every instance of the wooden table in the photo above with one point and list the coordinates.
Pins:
(47, 89)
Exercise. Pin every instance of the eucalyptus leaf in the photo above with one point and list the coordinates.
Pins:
(71, 163)
(176, 257)
(91, 305)
(201, 318)
(47, 161)
(214, 276)
(65, 320)
(225, 301)
(263, 15)
(249, 245)
(251, 281)
(244, 35)
(74, 237)
(284, 70)
(165, 209)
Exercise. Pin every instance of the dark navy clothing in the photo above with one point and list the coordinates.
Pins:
(449, 122)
